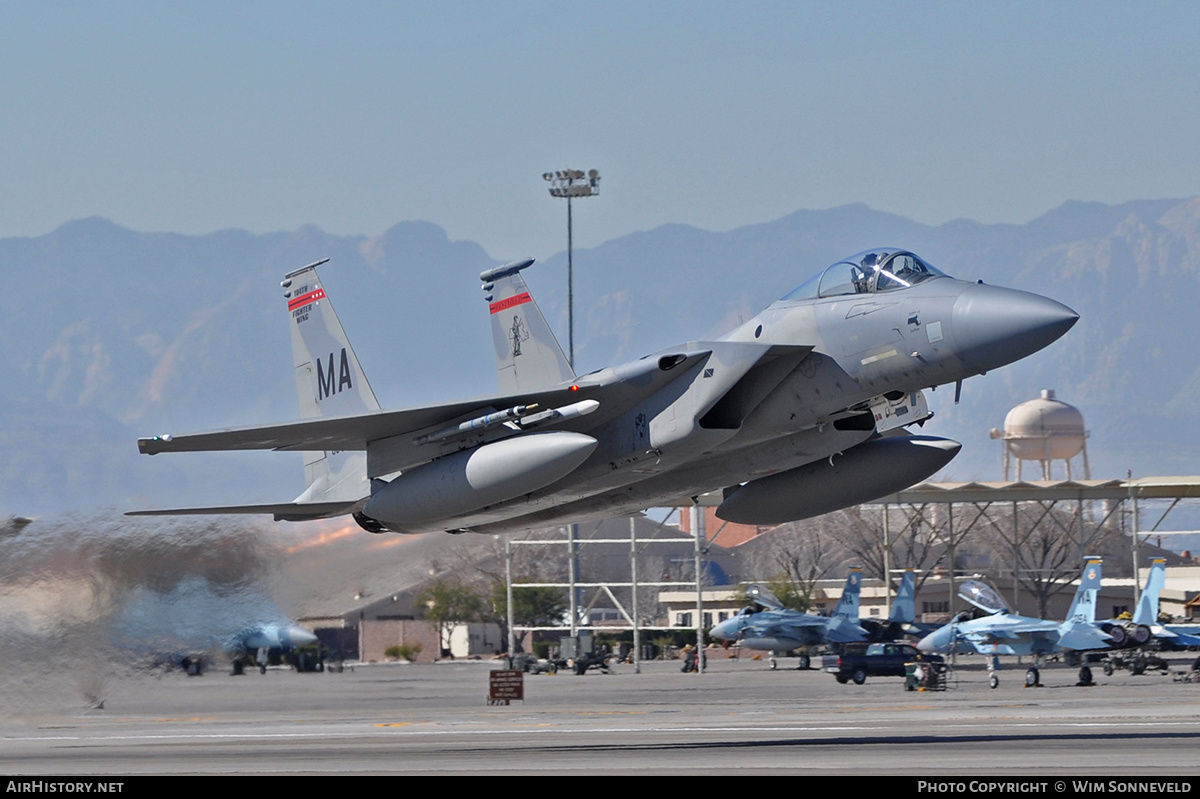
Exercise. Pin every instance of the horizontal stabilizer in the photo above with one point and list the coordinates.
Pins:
(1084, 637)
(1179, 636)
(282, 511)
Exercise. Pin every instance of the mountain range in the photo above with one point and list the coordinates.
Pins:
(107, 334)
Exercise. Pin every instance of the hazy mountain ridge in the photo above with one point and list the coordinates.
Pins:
(106, 333)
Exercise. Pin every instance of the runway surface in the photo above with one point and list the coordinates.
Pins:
(738, 718)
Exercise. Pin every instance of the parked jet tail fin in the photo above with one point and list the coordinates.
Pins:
(847, 606)
(904, 608)
(528, 357)
(329, 382)
(1083, 607)
(1147, 609)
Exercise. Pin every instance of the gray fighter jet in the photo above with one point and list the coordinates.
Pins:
(797, 412)
(767, 625)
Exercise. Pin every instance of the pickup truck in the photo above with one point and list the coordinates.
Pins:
(857, 662)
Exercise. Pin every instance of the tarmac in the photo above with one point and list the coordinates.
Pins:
(738, 717)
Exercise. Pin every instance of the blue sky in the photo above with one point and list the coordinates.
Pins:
(193, 117)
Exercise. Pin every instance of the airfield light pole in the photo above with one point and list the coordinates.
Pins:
(569, 184)
(572, 183)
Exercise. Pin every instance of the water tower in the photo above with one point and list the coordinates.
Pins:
(1044, 430)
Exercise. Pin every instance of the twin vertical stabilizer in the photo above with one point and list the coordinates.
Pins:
(528, 357)
(904, 607)
(329, 382)
(1147, 609)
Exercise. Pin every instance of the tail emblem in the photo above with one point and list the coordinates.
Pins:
(518, 333)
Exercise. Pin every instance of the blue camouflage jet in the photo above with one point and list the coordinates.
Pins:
(1143, 636)
(1002, 632)
(768, 626)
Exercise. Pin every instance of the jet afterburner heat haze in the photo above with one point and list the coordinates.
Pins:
(797, 412)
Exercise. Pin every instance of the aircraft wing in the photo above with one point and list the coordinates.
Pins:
(282, 511)
(1033, 626)
(1011, 629)
(345, 432)
(793, 627)
(403, 430)
(1177, 636)
(1084, 637)
(400, 439)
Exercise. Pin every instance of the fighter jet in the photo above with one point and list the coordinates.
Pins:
(1142, 637)
(1002, 632)
(253, 644)
(767, 625)
(797, 412)
(1145, 628)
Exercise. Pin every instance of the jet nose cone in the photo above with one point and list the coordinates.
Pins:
(298, 636)
(995, 326)
(723, 632)
(937, 641)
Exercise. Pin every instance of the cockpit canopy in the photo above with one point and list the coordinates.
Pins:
(982, 596)
(763, 597)
(868, 272)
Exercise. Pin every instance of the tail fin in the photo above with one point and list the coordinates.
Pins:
(904, 608)
(329, 382)
(1083, 607)
(528, 357)
(1147, 609)
(847, 606)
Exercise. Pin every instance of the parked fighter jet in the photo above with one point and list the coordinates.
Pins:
(797, 412)
(1002, 632)
(253, 644)
(194, 622)
(261, 639)
(1145, 627)
(767, 625)
(1142, 637)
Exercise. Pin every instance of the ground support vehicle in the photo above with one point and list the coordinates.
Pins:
(1136, 660)
(857, 662)
(925, 676)
(532, 664)
(583, 653)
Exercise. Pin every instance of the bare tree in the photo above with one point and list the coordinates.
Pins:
(915, 536)
(802, 553)
(1044, 544)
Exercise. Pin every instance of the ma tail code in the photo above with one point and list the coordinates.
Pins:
(325, 384)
